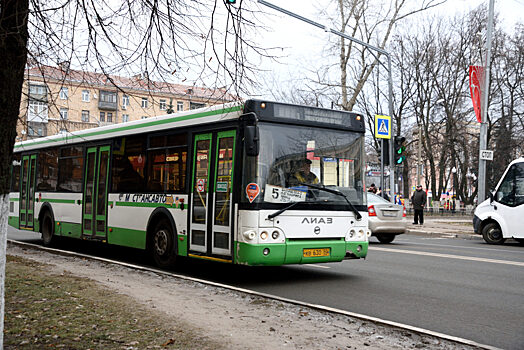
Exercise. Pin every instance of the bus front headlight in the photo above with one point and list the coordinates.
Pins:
(250, 235)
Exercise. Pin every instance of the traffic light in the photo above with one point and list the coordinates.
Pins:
(400, 150)
(231, 2)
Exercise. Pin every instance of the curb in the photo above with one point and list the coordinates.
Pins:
(457, 235)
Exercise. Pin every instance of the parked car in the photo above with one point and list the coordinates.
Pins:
(386, 220)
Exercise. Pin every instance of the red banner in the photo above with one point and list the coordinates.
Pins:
(476, 80)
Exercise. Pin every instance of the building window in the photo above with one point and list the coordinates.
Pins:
(62, 131)
(194, 105)
(144, 102)
(125, 118)
(36, 129)
(63, 113)
(37, 89)
(102, 116)
(179, 106)
(85, 116)
(37, 111)
(108, 96)
(85, 95)
(125, 101)
(64, 93)
(109, 117)
(162, 105)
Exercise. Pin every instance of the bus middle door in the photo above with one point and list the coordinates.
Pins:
(94, 220)
(211, 198)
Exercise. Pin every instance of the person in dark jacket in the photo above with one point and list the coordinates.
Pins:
(418, 200)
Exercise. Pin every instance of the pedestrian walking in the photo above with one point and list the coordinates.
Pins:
(418, 200)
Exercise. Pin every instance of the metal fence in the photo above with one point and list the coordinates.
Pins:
(441, 211)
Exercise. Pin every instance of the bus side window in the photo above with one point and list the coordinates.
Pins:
(15, 173)
(129, 160)
(47, 170)
(167, 161)
(70, 168)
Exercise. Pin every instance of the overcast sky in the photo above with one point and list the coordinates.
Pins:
(303, 44)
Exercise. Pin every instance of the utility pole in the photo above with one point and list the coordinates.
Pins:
(390, 82)
(483, 142)
(419, 155)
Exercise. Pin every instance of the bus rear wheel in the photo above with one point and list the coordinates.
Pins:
(492, 234)
(48, 229)
(163, 245)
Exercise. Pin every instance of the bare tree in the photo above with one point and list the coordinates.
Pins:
(201, 41)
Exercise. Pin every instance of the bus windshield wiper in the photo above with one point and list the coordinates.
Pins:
(338, 193)
(277, 213)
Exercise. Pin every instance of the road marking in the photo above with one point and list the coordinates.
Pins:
(319, 266)
(449, 256)
(462, 247)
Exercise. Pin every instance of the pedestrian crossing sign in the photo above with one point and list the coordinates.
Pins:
(382, 126)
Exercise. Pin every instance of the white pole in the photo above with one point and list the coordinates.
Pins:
(4, 210)
(483, 142)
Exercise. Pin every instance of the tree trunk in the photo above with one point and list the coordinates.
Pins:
(13, 57)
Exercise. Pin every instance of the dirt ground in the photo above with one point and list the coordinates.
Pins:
(235, 320)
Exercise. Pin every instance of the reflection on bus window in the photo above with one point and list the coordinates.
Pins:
(129, 161)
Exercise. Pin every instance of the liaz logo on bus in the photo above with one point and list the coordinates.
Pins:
(317, 221)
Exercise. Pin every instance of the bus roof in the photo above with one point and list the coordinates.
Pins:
(275, 111)
(228, 111)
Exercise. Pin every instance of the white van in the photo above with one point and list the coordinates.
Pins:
(502, 215)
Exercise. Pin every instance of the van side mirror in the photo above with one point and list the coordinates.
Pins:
(251, 140)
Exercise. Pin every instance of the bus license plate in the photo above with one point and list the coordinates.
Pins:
(310, 253)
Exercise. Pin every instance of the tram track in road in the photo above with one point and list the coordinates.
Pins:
(327, 309)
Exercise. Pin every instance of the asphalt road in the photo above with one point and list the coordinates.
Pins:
(463, 288)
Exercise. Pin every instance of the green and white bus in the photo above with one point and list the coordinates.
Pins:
(213, 183)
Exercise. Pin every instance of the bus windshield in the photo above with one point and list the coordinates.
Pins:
(292, 157)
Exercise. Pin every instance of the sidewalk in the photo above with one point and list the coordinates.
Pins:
(442, 226)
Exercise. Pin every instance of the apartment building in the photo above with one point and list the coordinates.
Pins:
(60, 100)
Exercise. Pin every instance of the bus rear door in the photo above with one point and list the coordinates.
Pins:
(211, 198)
(94, 220)
(27, 192)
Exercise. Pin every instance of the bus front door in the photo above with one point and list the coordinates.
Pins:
(211, 197)
(94, 220)
(27, 192)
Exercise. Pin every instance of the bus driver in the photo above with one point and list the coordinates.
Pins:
(304, 174)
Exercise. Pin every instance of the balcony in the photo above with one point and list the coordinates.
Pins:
(107, 101)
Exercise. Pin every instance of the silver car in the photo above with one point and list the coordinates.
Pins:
(386, 220)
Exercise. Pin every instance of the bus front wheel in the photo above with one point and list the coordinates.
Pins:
(492, 234)
(163, 245)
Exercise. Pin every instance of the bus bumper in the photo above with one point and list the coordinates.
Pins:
(292, 252)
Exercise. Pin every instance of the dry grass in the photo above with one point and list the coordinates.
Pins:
(45, 310)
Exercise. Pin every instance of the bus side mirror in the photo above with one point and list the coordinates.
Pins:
(251, 140)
